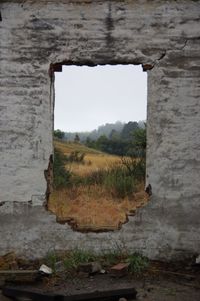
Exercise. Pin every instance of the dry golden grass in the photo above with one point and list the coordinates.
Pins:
(92, 208)
(68, 147)
(94, 160)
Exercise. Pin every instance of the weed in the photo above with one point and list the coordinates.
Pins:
(76, 257)
(61, 175)
(135, 167)
(138, 263)
(75, 156)
(115, 180)
(95, 177)
(119, 182)
(51, 259)
(113, 256)
(72, 259)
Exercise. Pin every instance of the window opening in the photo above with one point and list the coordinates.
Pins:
(99, 146)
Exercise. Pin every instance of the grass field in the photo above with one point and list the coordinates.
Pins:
(92, 207)
(94, 159)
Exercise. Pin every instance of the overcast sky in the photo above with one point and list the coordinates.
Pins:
(87, 97)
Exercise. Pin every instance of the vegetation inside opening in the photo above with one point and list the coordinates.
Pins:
(99, 174)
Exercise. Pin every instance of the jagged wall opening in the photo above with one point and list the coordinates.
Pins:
(161, 35)
(80, 204)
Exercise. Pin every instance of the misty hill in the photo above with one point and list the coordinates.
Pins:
(102, 130)
(110, 130)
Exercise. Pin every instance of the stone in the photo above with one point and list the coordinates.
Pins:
(83, 274)
(197, 260)
(103, 271)
(59, 267)
(90, 267)
(8, 261)
(119, 270)
(45, 269)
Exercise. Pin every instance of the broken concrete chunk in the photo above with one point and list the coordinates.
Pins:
(90, 267)
(198, 260)
(103, 271)
(8, 261)
(119, 270)
(83, 275)
(45, 269)
(59, 267)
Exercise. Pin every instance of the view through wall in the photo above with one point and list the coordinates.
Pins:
(99, 146)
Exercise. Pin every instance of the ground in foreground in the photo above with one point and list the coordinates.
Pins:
(156, 285)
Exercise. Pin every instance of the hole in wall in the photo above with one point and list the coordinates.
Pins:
(99, 145)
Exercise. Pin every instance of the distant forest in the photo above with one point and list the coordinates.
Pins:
(114, 138)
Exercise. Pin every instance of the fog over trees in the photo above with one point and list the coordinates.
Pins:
(114, 138)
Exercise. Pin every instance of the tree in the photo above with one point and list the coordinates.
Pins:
(137, 147)
(61, 175)
(76, 138)
(128, 129)
(59, 134)
(114, 135)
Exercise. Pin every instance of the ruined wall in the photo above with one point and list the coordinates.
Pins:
(161, 35)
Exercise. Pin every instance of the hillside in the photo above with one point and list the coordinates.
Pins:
(94, 160)
(98, 197)
(68, 147)
(105, 130)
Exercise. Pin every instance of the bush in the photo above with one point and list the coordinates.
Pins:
(119, 182)
(135, 167)
(59, 134)
(51, 259)
(61, 175)
(116, 180)
(95, 177)
(138, 263)
(75, 156)
(113, 256)
(76, 257)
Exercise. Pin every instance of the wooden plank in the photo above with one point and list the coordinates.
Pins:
(111, 295)
(17, 292)
(18, 276)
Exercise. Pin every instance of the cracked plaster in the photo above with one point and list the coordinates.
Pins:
(163, 36)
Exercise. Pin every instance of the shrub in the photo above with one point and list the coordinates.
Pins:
(51, 259)
(113, 256)
(116, 180)
(135, 167)
(75, 156)
(76, 257)
(95, 177)
(120, 183)
(61, 175)
(138, 263)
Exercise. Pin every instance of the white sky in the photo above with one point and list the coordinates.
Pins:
(86, 97)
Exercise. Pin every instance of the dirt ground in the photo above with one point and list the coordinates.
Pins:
(159, 283)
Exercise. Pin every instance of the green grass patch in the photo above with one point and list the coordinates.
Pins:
(138, 263)
(61, 175)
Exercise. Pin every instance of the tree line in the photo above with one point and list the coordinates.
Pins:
(129, 140)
